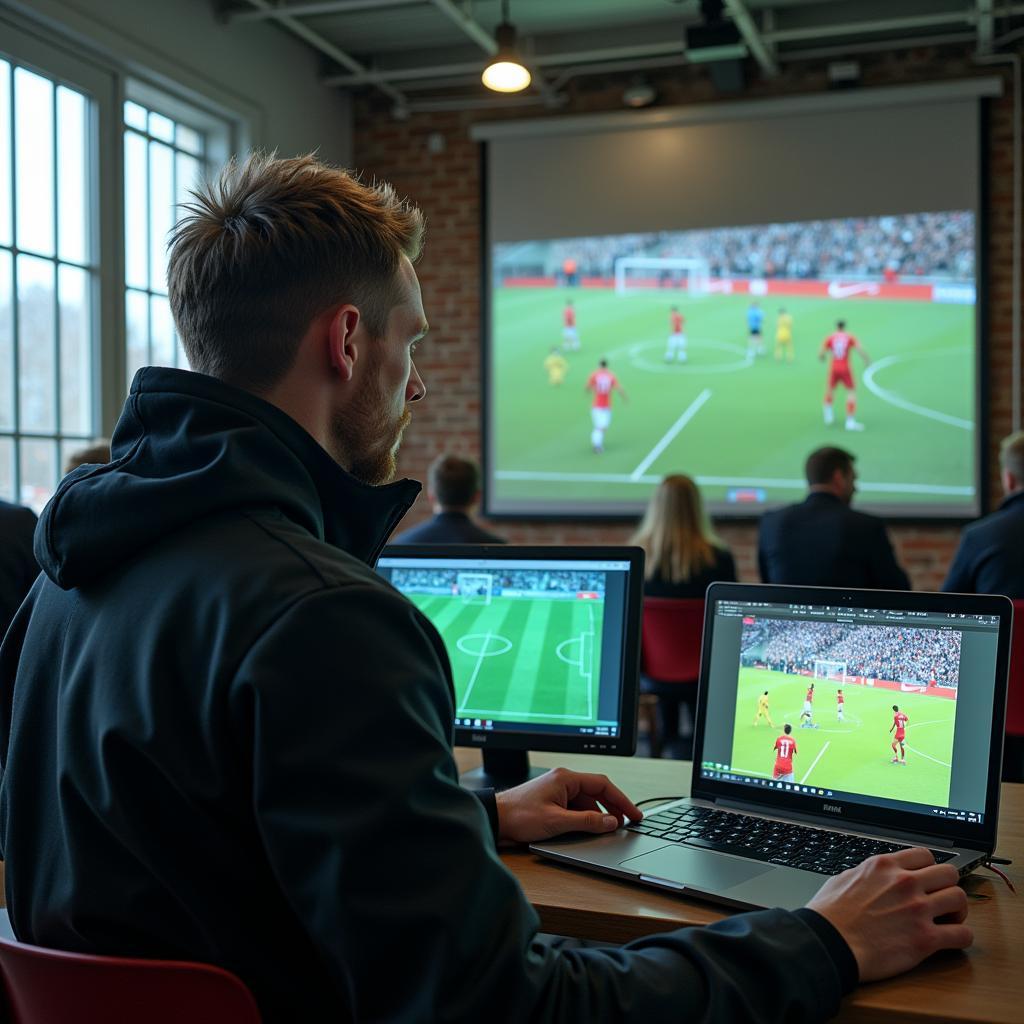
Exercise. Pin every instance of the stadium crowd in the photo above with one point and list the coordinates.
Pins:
(561, 581)
(923, 656)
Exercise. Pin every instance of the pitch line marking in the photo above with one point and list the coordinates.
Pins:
(815, 761)
(476, 671)
(670, 435)
(921, 753)
(902, 403)
(590, 674)
(514, 715)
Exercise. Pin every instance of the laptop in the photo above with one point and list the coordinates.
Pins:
(831, 725)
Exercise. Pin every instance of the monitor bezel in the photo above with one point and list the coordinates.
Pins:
(851, 814)
(623, 745)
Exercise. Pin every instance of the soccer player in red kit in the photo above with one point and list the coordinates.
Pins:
(602, 382)
(840, 701)
(841, 344)
(785, 748)
(676, 348)
(570, 335)
(806, 720)
(899, 723)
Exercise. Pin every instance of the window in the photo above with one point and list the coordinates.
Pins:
(163, 159)
(47, 279)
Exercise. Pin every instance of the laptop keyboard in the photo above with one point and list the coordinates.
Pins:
(774, 842)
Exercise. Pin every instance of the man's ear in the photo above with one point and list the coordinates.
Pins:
(341, 341)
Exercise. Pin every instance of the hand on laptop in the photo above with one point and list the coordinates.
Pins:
(562, 801)
(895, 910)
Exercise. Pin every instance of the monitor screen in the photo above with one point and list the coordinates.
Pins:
(543, 647)
(886, 708)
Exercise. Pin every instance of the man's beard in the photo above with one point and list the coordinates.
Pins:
(367, 438)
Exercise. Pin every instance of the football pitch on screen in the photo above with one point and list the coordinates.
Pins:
(724, 418)
(853, 756)
(518, 659)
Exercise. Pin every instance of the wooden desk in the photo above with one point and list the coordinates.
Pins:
(986, 984)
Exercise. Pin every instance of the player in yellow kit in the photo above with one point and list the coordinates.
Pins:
(762, 709)
(784, 336)
(557, 366)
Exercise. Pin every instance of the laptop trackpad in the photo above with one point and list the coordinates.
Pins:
(696, 869)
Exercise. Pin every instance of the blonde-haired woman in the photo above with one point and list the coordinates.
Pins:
(683, 557)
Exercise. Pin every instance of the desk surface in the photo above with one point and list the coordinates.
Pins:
(985, 985)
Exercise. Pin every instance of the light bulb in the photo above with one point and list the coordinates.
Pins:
(506, 76)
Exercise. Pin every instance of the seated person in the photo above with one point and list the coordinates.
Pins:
(18, 568)
(682, 558)
(990, 558)
(231, 739)
(822, 542)
(95, 454)
(453, 488)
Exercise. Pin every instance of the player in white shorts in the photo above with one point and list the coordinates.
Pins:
(676, 348)
(602, 382)
(570, 335)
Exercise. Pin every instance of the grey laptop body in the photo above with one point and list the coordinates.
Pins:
(895, 704)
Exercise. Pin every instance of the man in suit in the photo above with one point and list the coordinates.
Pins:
(821, 541)
(18, 568)
(990, 559)
(453, 488)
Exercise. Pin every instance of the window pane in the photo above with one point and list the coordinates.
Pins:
(135, 115)
(161, 211)
(161, 326)
(7, 469)
(71, 175)
(136, 207)
(38, 472)
(5, 153)
(180, 350)
(137, 316)
(189, 175)
(75, 361)
(161, 127)
(187, 138)
(36, 343)
(33, 154)
(6, 341)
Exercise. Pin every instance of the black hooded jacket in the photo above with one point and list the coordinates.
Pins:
(224, 738)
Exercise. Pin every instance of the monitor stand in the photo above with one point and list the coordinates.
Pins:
(502, 769)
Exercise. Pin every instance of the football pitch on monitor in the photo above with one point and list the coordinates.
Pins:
(518, 659)
(730, 421)
(853, 756)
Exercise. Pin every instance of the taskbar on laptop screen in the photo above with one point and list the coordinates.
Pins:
(535, 645)
(887, 708)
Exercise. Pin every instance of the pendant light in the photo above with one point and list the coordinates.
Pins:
(506, 72)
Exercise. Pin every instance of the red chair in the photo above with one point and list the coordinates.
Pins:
(1013, 754)
(48, 986)
(670, 660)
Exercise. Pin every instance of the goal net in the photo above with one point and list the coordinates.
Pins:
(475, 587)
(830, 670)
(640, 273)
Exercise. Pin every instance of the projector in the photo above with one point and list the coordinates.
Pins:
(719, 41)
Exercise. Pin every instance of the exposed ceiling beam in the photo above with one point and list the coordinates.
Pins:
(752, 37)
(327, 48)
(986, 26)
(279, 11)
(875, 46)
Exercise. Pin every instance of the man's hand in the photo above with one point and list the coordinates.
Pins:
(895, 910)
(562, 801)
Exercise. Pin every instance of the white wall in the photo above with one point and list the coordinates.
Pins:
(253, 70)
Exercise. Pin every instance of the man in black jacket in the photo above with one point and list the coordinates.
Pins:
(990, 558)
(453, 488)
(822, 542)
(225, 738)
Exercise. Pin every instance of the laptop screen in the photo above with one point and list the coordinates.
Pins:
(542, 648)
(886, 708)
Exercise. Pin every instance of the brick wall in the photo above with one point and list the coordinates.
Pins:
(446, 185)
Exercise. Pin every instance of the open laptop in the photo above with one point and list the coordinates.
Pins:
(910, 756)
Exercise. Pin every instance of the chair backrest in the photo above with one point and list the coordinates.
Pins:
(671, 637)
(1015, 697)
(49, 986)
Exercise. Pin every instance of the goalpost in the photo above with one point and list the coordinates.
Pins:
(695, 271)
(830, 670)
(475, 587)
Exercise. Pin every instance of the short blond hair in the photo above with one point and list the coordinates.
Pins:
(1011, 455)
(675, 533)
(268, 247)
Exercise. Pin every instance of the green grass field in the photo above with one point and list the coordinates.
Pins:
(853, 756)
(751, 424)
(522, 659)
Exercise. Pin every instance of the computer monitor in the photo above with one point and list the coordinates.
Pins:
(544, 645)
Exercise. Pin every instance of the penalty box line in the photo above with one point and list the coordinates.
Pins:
(670, 435)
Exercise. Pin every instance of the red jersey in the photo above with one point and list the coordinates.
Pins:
(785, 747)
(677, 323)
(569, 316)
(900, 721)
(841, 699)
(810, 694)
(840, 345)
(601, 382)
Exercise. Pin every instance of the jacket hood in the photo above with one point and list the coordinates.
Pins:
(189, 446)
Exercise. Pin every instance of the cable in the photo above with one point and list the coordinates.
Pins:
(1002, 874)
